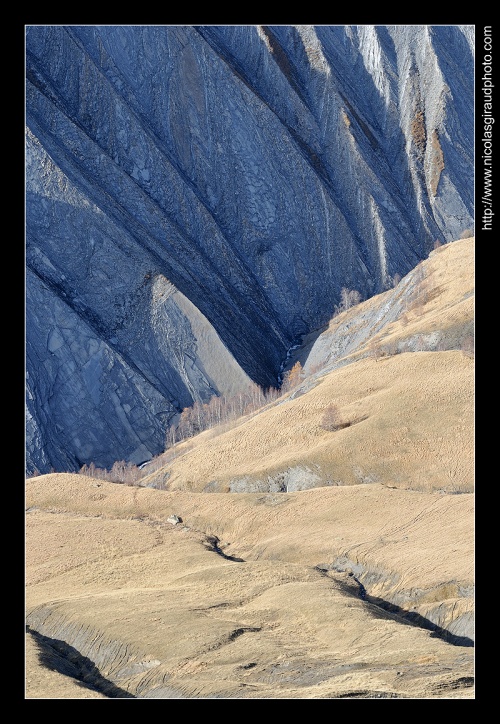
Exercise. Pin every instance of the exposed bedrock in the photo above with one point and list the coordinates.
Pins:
(196, 198)
(447, 609)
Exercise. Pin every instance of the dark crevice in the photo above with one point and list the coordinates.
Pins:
(283, 62)
(240, 631)
(463, 682)
(59, 656)
(362, 124)
(225, 604)
(365, 694)
(380, 608)
(411, 618)
(212, 543)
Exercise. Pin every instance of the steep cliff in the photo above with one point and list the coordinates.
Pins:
(196, 198)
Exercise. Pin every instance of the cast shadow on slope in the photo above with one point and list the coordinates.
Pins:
(57, 655)
(380, 608)
(411, 618)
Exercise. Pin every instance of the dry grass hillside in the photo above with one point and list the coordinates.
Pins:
(411, 426)
(249, 596)
(303, 562)
(431, 308)
(394, 369)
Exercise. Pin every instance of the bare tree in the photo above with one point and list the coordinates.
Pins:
(198, 417)
(185, 426)
(172, 436)
(292, 378)
(117, 472)
(271, 394)
(90, 471)
(332, 418)
(215, 410)
(348, 298)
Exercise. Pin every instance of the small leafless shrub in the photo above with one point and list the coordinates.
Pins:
(332, 419)
(378, 350)
(419, 343)
(420, 291)
(391, 348)
(375, 351)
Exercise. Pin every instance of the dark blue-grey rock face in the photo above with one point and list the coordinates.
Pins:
(198, 196)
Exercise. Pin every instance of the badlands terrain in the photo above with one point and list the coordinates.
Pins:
(198, 196)
(274, 558)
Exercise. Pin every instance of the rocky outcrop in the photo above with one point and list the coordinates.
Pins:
(446, 609)
(236, 176)
(395, 322)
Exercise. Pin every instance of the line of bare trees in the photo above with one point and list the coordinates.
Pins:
(218, 411)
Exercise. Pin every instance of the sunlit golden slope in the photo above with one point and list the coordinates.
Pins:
(411, 426)
(149, 609)
(431, 308)
(410, 414)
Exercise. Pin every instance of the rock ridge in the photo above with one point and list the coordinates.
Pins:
(251, 170)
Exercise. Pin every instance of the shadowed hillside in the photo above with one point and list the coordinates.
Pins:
(198, 187)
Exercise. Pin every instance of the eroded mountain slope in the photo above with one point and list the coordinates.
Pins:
(404, 390)
(255, 170)
(361, 588)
